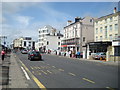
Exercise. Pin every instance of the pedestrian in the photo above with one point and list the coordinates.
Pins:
(3, 54)
(70, 53)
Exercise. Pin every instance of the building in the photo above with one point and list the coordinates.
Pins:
(78, 33)
(106, 27)
(106, 35)
(24, 43)
(49, 38)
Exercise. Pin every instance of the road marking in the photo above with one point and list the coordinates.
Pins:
(72, 74)
(39, 67)
(44, 72)
(53, 66)
(31, 67)
(40, 85)
(60, 69)
(49, 71)
(110, 88)
(26, 75)
(39, 73)
(88, 80)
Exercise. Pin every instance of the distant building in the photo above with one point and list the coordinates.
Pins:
(24, 43)
(49, 38)
(119, 6)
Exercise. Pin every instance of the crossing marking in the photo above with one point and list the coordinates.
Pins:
(49, 71)
(31, 67)
(60, 69)
(53, 66)
(88, 80)
(44, 72)
(72, 74)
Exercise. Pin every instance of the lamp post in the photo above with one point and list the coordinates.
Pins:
(75, 39)
(81, 35)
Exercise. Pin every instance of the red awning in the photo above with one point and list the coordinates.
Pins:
(63, 45)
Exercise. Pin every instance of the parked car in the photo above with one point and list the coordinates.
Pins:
(34, 55)
(101, 55)
(24, 51)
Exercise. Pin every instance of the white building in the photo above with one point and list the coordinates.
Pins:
(49, 38)
(78, 33)
(24, 43)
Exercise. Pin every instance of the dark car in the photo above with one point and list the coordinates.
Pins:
(34, 55)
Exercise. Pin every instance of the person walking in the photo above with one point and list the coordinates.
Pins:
(3, 54)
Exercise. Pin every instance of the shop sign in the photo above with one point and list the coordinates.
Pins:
(116, 43)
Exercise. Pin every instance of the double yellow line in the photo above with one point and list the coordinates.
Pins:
(40, 85)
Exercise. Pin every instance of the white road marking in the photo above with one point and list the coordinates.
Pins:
(26, 75)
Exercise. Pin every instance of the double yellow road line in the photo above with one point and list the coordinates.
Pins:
(40, 85)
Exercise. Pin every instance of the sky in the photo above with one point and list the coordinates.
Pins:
(25, 18)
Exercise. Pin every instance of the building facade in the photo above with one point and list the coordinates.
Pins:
(78, 33)
(49, 38)
(106, 27)
(24, 43)
(106, 35)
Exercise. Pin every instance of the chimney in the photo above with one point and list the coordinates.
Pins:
(115, 10)
(69, 22)
(77, 19)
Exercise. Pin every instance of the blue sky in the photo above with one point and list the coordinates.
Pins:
(24, 19)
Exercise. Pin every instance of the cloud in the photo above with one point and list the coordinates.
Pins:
(23, 20)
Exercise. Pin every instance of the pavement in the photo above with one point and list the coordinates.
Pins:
(11, 75)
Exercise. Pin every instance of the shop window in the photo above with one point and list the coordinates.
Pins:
(117, 51)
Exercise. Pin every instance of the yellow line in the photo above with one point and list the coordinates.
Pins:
(44, 72)
(40, 85)
(61, 70)
(49, 71)
(72, 74)
(88, 80)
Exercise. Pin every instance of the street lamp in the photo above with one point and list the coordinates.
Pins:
(81, 35)
(75, 38)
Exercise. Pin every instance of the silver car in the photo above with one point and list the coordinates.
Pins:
(100, 56)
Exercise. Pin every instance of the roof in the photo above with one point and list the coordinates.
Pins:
(109, 15)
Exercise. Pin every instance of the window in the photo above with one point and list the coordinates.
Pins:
(110, 27)
(96, 38)
(83, 39)
(100, 38)
(96, 30)
(24, 43)
(90, 20)
(111, 19)
(101, 29)
(58, 43)
(116, 36)
(117, 51)
(96, 22)
(116, 27)
(110, 36)
(105, 20)
(58, 37)
(47, 42)
(105, 31)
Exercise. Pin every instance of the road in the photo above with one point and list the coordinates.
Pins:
(63, 72)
